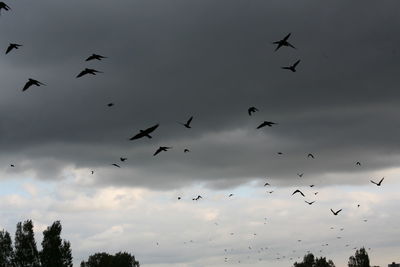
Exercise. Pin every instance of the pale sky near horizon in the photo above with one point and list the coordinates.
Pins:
(169, 60)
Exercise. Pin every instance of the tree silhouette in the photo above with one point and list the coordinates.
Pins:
(121, 259)
(26, 253)
(54, 250)
(360, 259)
(310, 261)
(6, 250)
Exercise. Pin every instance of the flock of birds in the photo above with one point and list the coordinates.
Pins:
(147, 133)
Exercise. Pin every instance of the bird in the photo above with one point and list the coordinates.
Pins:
(270, 192)
(309, 203)
(187, 124)
(4, 6)
(358, 163)
(32, 82)
(110, 104)
(186, 150)
(358, 205)
(311, 185)
(280, 153)
(116, 165)
(380, 182)
(92, 172)
(11, 47)
(143, 133)
(179, 198)
(292, 67)
(12, 165)
(197, 198)
(336, 212)
(122, 159)
(310, 156)
(161, 148)
(266, 184)
(316, 193)
(252, 110)
(230, 195)
(300, 174)
(88, 71)
(283, 42)
(95, 56)
(298, 191)
(266, 123)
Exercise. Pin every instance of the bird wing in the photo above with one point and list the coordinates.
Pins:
(287, 37)
(81, 74)
(189, 120)
(381, 180)
(262, 125)
(296, 63)
(151, 129)
(157, 151)
(27, 85)
(373, 182)
(9, 48)
(292, 46)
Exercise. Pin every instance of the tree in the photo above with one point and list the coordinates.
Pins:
(55, 252)
(322, 262)
(360, 259)
(26, 253)
(121, 259)
(310, 261)
(6, 250)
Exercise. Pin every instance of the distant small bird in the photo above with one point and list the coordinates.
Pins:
(4, 6)
(266, 184)
(266, 123)
(300, 174)
(88, 71)
(336, 212)
(310, 156)
(11, 47)
(309, 203)
(270, 192)
(230, 195)
(280, 153)
(92, 172)
(380, 182)
(358, 205)
(110, 104)
(186, 150)
(251, 110)
(143, 133)
(32, 82)
(116, 165)
(95, 56)
(283, 42)
(12, 165)
(358, 163)
(179, 198)
(311, 185)
(187, 124)
(161, 148)
(197, 198)
(316, 193)
(292, 67)
(298, 191)
(122, 159)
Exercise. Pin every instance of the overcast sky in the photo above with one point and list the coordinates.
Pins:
(210, 59)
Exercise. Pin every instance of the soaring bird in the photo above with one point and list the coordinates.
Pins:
(143, 133)
(11, 47)
(95, 56)
(4, 6)
(179, 198)
(161, 148)
(380, 182)
(310, 156)
(358, 163)
(300, 174)
(336, 212)
(12, 165)
(311, 185)
(110, 104)
(122, 159)
(266, 184)
(283, 42)
(266, 123)
(280, 153)
(197, 198)
(92, 172)
(32, 82)
(116, 165)
(292, 67)
(298, 191)
(187, 124)
(230, 195)
(252, 110)
(186, 150)
(88, 71)
(309, 203)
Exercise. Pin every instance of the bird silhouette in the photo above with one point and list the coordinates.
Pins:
(311, 185)
(309, 203)
(161, 148)
(270, 192)
(280, 153)
(292, 67)
(116, 165)
(11, 47)
(92, 172)
(110, 104)
(316, 193)
(186, 150)
(95, 56)
(122, 159)
(266, 123)
(251, 110)
(300, 174)
(12, 165)
(197, 198)
(380, 182)
(4, 6)
(358, 163)
(230, 195)
(310, 156)
(298, 191)
(187, 124)
(88, 71)
(336, 212)
(32, 82)
(266, 184)
(283, 42)
(143, 133)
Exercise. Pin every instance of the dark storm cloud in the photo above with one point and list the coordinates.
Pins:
(169, 60)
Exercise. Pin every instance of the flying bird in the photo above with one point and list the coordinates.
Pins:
(122, 159)
(283, 42)
(309, 203)
(116, 165)
(311, 185)
(179, 198)
(161, 148)
(12, 165)
(92, 172)
(88, 71)
(336, 212)
(4, 6)
(358, 163)
(298, 191)
(11, 47)
(292, 67)
(95, 56)
(110, 104)
(186, 150)
(266, 123)
(230, 195)
(143, 133)
(251, 110)
(280, 153)
(197, 198)
(300, 174)
(380, 182)
(32, 82)
(310, 156)
(266, 184)
(187, 124)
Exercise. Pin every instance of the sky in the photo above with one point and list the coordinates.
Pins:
(170, 60)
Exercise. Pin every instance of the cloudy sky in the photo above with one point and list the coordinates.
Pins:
(211, 59)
